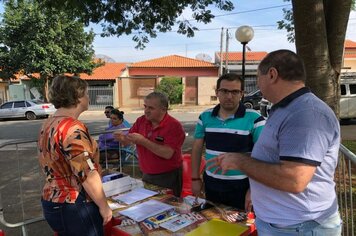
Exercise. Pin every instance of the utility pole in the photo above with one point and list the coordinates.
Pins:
(227, 52)
(221, 48)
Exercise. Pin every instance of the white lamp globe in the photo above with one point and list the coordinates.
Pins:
(244, 34)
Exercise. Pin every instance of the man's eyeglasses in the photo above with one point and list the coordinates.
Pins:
(106, 112)
(234, 92)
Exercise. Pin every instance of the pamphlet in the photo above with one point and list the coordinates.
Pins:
(176, 223)
(134, 195)
(146, 209)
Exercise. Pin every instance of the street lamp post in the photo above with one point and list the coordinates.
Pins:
(244, 34)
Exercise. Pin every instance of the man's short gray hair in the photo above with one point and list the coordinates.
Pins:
(288, 64)
(163, 99)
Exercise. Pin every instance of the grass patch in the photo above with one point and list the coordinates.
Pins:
(350, 144)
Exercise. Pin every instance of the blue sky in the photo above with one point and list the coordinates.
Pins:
(262, 15)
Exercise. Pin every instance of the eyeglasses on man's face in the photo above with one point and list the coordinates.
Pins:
(225, 92)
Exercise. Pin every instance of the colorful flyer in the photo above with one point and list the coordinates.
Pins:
(176, 223)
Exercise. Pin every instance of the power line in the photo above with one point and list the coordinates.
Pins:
(227, 14)
(253, 10)
(255, 27)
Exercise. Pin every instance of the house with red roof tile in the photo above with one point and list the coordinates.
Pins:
(125, 85)
(102, 86)
(105, 74)
(198, 79)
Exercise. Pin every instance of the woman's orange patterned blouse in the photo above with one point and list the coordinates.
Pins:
(67, 154)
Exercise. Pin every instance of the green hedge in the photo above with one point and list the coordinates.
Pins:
(173, 88)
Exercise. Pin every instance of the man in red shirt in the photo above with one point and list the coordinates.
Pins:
(159, 139)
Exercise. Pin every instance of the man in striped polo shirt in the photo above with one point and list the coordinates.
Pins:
(228, 127)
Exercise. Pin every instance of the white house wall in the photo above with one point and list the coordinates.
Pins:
(206, 90)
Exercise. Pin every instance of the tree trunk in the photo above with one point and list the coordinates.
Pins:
(45, 88)
(320, 29)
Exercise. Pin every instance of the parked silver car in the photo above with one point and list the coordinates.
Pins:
(26, 108)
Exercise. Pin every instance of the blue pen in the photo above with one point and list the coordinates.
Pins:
(160, 217)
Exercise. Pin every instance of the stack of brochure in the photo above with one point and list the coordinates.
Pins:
(116, 184)
(134, 195)
(146, 209)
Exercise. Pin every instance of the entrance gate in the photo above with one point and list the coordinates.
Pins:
(100, 97)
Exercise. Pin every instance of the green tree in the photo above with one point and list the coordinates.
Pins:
(43, 43)
(319, 28)
(173, 88)
(141, 18)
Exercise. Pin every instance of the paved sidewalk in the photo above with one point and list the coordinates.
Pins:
(173, 108)
(181, 113)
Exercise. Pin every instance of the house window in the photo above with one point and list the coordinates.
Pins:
(213, 98)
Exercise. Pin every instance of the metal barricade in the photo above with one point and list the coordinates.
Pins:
(124, 155)
(22, 182)
(20, 189)
(345, 178)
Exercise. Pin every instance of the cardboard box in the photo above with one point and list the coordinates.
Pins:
(113, 185)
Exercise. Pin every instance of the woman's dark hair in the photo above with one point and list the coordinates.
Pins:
(119, 114)
(65, 91)
(109, 107)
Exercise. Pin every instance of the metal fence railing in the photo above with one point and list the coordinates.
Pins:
(21, 184)
(345, 178)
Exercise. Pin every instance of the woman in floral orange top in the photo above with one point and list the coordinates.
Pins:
(73, 199)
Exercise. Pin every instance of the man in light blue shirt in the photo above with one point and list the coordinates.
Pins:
(293, 162)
